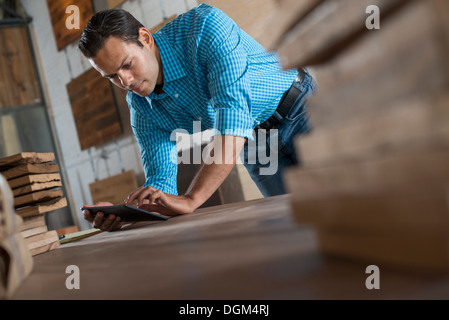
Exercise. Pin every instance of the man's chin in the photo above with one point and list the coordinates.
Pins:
(141, 94)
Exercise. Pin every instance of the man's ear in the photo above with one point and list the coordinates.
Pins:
(145, 37)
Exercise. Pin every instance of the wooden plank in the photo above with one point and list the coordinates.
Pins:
(33, 231)
(19, 84)
(389, 214)
(284, 17)
(41, 239)
(42, 207)
(398, 174)
(58, 15)
(9, 221)
(99, 123)
(329, 29)
(45, 248)
(16, 263)
(39, 196)
(33, 178)
(42, 242)
(387, 65)
(442, 8)
(26, 157)
(419, 252)
(30, 168)
(410, 125)
(32, 222)
(114, 189)
(36, 187)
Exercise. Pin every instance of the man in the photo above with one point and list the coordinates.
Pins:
(199, 67)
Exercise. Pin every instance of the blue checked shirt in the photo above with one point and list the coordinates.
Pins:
(214, 73)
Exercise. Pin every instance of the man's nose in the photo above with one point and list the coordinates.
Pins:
(126, 78)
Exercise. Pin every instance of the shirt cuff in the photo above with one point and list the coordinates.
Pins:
(163, 185)
(233, 122)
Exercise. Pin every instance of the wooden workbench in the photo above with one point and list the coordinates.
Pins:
(246, 250)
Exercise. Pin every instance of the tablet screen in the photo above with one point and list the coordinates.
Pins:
(127, 213)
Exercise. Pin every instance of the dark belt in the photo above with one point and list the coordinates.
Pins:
(285, 104)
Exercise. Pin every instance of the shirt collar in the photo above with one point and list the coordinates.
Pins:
(171, 65)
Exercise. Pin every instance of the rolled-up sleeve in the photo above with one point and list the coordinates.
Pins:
(158, 152)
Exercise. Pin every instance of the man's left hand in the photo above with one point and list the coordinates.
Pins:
(158, 201)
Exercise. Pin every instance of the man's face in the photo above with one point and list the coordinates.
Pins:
(129, 66)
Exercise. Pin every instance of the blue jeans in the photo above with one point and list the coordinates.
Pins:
(272, 151)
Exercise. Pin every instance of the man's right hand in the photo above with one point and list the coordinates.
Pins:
(110, 223)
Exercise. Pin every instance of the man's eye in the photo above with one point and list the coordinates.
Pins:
(127, 66)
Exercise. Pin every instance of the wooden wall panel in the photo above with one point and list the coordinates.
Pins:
(94, 109)
(113, 189)
(57, 8)
(18, 81)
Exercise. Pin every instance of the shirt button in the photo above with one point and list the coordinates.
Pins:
(199, 118)
(176, 95)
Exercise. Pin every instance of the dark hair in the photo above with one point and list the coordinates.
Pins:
(106, 23)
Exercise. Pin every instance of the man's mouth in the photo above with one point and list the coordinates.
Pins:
(137, 88)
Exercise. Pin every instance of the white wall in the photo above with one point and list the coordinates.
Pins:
(58, 68)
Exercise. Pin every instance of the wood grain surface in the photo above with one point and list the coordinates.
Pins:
(329, 29)
(34, 178)
(245, 250)
(30, 168)
(383, 69)
(26, 157)
(36, 187)
(19, 85)
(42, 207)
(38, 196)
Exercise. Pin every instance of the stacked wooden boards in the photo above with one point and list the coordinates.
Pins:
(36, 186)
(375, 169)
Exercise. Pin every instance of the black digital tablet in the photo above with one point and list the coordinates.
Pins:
(126, 213)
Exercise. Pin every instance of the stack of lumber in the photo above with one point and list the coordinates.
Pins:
(16, 261)
(36, 186)
(375, 169)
